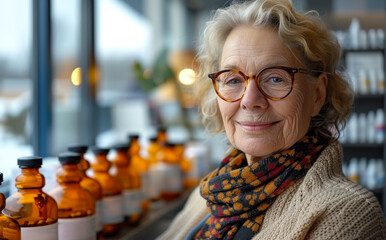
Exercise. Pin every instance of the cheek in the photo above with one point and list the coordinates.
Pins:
(297, 114)
(228, 110)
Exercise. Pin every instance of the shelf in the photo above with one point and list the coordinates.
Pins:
(363, 50)
(358, 150)
(369, 96)
(153, 223)
(363, 145)
(368, 102)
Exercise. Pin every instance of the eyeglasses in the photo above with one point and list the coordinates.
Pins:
(274, 83)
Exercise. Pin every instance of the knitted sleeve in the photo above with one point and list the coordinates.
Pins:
(193, 211)
(356, 217)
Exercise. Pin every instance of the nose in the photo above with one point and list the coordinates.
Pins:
(253, 99)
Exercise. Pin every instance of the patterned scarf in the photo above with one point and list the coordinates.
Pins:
(238, 195)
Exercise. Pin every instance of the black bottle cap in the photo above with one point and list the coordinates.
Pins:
(121, 147)
(133, 136)
(169, 144)
(78, 148)
(69, 158)
(153, 139)
(100, 150)
(1, 178)
(30, 162)
(180, 143)
(161, 129)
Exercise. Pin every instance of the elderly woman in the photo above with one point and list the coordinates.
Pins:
(281, 102)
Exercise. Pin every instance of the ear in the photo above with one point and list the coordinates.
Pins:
(320, 93)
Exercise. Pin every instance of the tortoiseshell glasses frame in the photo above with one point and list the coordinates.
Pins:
(275, 82)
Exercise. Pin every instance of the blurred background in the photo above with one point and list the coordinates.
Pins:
(94, 71)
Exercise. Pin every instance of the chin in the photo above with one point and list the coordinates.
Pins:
(258, 149)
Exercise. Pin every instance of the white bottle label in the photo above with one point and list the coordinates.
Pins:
(173, 178)
(82, 228)
(98, 216)
(112, 209)
(155, 181)
(145, 185)
(132, 202)
(48, 232)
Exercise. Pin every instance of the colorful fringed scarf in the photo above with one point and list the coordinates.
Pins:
(238, 194)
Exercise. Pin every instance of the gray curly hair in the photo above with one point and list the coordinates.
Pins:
(306, 37)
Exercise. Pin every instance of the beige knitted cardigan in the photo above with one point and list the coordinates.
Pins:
(323, 205)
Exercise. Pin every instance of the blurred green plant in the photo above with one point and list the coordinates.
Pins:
(159, 73)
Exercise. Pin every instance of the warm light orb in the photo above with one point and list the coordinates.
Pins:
(76, 76)
(187, 76)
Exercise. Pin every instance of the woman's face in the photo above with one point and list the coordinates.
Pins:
(256, 125)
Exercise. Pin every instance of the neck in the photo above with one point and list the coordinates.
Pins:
(252, 159)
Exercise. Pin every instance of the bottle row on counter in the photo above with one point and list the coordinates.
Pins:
(370, 173)
(365, 128)
(97, 191)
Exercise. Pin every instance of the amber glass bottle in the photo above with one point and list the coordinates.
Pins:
(154, 152)
(172, 173)
(92, 185)
(189, 178)
(76, 205)
(131, 182)
(36, 211)
(112, 201)
(162, 136)
(140, 165)
(9, 227)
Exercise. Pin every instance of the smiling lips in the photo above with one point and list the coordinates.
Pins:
(255, 126)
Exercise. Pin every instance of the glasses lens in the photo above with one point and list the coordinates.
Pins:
(230, 85)
(276, 83)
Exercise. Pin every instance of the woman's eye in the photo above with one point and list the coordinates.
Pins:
(232, 81)
(276, 80)
(273, 80)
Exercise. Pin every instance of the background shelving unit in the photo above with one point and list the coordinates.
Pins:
(338, 14)
(363, 103)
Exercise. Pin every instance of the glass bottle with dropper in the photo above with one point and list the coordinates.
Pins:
(36, 211)
(76, 205)
(92, 185)
(131, 182)
(9, 227)
(112, 201)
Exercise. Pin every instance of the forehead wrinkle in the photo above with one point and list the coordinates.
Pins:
(257, 64)
(251, 54)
